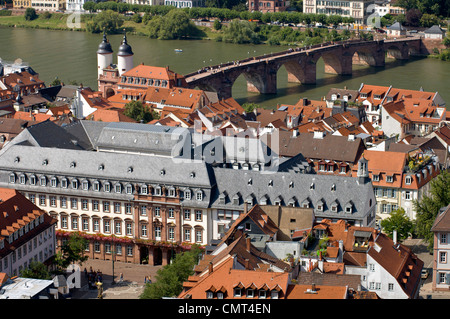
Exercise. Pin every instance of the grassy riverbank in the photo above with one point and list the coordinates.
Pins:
(58, 21)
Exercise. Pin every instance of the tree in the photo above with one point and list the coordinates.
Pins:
(413, 17)
(428, 207)
(108, 20)
(89, 6)
(170, 278)
(138, 111)
(398, 221)
(428, 20)
(36, 270)
(30, 14)
(174, 25)
(55, 82)
(241, 32)
(71, 252)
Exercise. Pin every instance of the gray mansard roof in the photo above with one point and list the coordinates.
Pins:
(105, 165)
(294, 188)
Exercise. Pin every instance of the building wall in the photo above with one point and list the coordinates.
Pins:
(382, 282)
(48, 5)
(125, 220)
(355, 9)
(39, 248)
(22, 4)
(441, 265)
(75, 5)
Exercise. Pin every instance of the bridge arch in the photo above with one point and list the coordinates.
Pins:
(398, 51)
(368, 55)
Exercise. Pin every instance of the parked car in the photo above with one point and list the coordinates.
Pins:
(425, 273)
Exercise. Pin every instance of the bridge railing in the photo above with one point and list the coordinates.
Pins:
(270, 55)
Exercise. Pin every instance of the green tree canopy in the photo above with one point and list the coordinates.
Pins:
(36, 270)
(138, 111)
(30, 14)
(428, 207)
(241, 32)
(170, 278)
(72, 251)
(108, 20)
(398, 221)
(174, 25)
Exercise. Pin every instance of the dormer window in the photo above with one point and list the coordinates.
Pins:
(192, 175)
(12, 178)
(75, 183)
(222, 199)
(408, 180)
(236, 199)
(389, 178)
(107, 187)
(305, 203)
(376, 177)
(96, 186)
(43, 181)
(334, 207)
(32, 180)
(162, 172)
(263, 200)
(118, 188)
(349, 208)
(171, 192)
(22, 179)
(249, 182)
(270, 183)
(129, 189)
(311, 187)
(101, 167)
(199, 195)
(85, 185)
(144, 190)
(291, 185)
(53, 182)
(319, 206)
(130, 169)
(333, 187)
(157, 191)
(187, 194)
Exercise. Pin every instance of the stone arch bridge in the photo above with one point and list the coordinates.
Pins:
(260, 72)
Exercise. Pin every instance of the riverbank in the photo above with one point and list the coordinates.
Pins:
(68, 22)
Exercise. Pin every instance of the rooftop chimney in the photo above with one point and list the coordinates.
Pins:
(394, 236)
(210, 267)
(248, 243)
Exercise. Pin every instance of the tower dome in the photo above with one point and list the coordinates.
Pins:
(125, 48)
(104, 47)
(124, 57)
(104, 55)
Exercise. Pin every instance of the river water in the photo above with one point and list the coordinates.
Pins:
(71, 56)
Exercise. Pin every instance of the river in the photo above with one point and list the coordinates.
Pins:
(71, 56)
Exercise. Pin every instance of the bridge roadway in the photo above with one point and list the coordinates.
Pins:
(300, 63)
